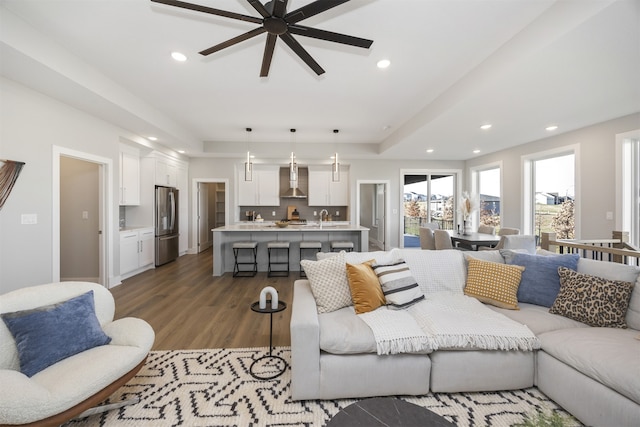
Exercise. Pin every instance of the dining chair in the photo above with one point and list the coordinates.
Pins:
(427, 240)
(486, 229)
(505, 231)
(442, 239)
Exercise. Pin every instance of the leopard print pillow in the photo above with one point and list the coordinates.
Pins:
(592, 300)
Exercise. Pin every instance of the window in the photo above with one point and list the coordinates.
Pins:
(486, 182)
(550, 194)
(628, 185)
(427, 197)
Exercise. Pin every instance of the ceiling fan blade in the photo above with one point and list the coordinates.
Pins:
(210, 10)
(329, 36)
(268, 54)
(279, 8)
(235, 40)
(301, 52)
(257, 5)
(312, 9)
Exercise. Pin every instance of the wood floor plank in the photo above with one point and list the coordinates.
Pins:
(188, 308)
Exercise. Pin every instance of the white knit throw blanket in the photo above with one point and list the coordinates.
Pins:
(446, 321)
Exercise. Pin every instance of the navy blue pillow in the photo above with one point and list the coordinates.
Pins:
(540, 282)
(48, 334)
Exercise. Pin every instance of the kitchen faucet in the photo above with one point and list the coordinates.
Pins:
(326, 212)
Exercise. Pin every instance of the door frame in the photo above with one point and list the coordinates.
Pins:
(194, 207)
(387, 206)
(105, 212)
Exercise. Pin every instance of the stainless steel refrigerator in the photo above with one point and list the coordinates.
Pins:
(167, 233)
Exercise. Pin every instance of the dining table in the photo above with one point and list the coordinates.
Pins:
(473, 239)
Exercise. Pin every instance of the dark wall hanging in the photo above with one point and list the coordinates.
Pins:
(9, 171)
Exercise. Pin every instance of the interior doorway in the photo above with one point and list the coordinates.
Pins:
(372, 211)
(84, 210)
(210, 210)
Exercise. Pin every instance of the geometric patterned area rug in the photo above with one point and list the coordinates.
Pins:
(214, 388)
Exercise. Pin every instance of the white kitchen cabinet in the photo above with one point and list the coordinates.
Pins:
(323, 191)
(167, 172)
(263, 189)
(136, 251)
(129, 177)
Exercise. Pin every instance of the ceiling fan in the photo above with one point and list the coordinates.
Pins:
(276, 22)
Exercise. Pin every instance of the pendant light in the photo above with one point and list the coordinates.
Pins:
(293, 165)
(248, 166)
(335, 167)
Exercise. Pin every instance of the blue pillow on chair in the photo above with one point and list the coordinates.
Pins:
(540, 282)
(49, 334)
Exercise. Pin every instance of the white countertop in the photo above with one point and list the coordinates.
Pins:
(311, 226)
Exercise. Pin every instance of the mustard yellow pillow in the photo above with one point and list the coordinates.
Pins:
(493, 283)
(366, 291)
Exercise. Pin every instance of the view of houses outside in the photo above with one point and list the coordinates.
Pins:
(555, 196)
(554, 190)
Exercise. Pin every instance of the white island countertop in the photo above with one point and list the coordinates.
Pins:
(312, 226)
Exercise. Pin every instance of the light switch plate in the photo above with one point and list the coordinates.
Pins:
(609, 215)
(29, 219)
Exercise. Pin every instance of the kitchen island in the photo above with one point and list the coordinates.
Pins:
(224, 237)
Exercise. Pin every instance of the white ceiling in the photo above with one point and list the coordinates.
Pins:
(520, 65)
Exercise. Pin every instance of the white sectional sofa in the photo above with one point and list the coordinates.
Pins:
(593, 372)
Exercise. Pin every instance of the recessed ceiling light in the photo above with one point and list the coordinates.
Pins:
(180, 57)
(181, 151)
(476, 151)
(383, 63)
(551, 128)
(429, 150)
(152, 138)
(485, 127)
(386, 127)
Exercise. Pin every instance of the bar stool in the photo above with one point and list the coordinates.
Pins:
(275, 245)
(306, 245)
(341, 245)
(251, 246)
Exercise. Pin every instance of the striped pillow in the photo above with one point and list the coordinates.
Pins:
(398, 284)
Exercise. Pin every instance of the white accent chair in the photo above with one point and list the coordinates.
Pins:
(77, 383)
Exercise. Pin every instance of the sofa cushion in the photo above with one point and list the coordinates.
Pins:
(328, 280)
(493, 283)
(342, 332)
(49, 334)
(538, 318)
(436, 271)
(366, 291)
(609, 356)
(617, 271)
(540, 280)
(488, 255)
(399, 287)
(520, 241)
(591, 299)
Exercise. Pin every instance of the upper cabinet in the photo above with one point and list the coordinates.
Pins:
(129, 176)
(323, 191)
(263, 189)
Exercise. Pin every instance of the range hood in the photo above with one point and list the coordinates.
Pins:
(294, 189)
(293, 192)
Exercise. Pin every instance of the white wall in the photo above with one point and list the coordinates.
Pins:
(31, 125)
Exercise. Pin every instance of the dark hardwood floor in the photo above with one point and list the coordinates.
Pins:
(190, 309)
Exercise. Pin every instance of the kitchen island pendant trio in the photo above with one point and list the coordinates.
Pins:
(166, 226)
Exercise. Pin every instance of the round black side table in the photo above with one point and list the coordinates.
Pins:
(270, 357)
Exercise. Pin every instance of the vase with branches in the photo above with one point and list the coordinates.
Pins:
(468, 204)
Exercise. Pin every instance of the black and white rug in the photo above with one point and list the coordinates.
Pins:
(214, 388)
